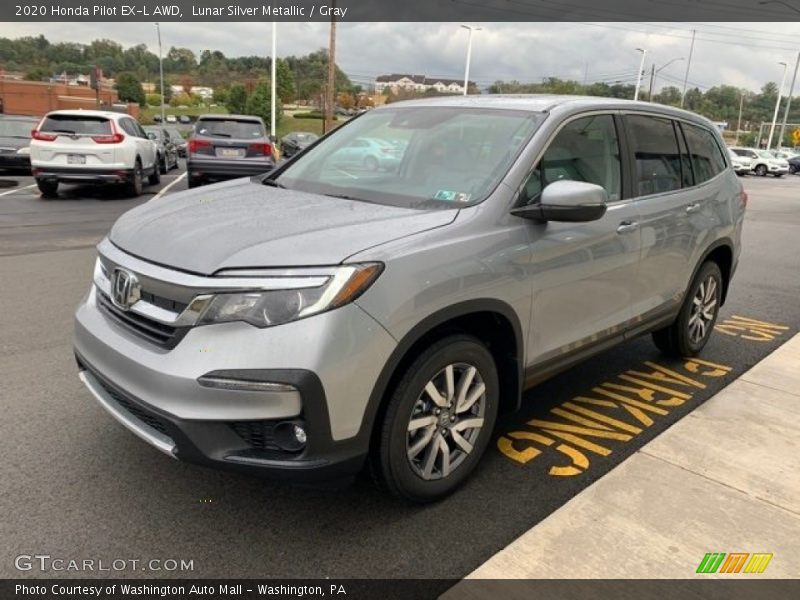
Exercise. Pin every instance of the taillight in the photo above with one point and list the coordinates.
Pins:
(43, 137)
(115, 138)
(262, 148)
(195, 145)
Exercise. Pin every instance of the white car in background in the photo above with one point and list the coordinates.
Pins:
(764, 162)
(92, 146)
(742, 165)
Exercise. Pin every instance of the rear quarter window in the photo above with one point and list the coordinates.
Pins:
(704, 152)
(77, 124)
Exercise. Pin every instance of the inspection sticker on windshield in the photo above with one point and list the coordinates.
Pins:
(450, 196)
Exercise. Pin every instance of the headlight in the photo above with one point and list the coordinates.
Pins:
(25, 150)
(268, 308)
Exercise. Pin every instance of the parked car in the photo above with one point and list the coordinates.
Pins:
(15, 138)
(167, 150)
(157, 118)
(177, 137)
(303, 323)
(185, 119)
(92, 146)
(764, 162)
(294, 142)
(794, 164)
(227, 146)
(741, 164)
(369, 154)
(171, 119)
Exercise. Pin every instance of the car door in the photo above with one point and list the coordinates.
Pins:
(667, 202)
(582, 274)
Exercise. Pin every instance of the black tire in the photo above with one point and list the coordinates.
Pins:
(677, 339)
(155, 177)
(48, 188)
(135, 185)
(778, 174)
(162, 164)
(193, 182)
(390, 464)
(760, 170)
(371, 163)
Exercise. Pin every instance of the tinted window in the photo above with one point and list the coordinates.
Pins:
(230, 128)
(16, 128)
(655, 148)
(707, 159)
(79, 124)
(585, 149)
(127, 127)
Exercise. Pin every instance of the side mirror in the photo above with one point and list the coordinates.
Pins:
(152, 136)
(567, 201)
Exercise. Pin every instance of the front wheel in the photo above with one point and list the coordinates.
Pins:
(155, 177)
(761, 170)
(690, 331)
(438, 420)
(162, 164)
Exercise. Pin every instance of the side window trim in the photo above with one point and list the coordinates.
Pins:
(683, 147)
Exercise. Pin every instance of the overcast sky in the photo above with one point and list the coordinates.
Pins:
(740, 54)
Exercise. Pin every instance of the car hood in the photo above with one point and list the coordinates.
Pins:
(242, 223)
(13, 142)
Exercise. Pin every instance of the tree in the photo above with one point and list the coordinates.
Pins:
(285, 81)
(129, 88)
(237, 98)
(37, 74)
(259, 103)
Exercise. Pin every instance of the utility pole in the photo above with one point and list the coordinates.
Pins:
(788, 103)
(639, 73)
(652, 81)
(470, 28)
(160, 70)
(739, 122)
(274, 79)
(688, 66)
(329, 92)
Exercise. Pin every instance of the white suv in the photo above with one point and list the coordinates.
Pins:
(91, 146)
(763, 161)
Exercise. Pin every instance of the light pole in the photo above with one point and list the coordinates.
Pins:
(639, 74)
(654, 74)
(470, 28)
(274, 78)
(777, 106)
(739, 122)
(160, 70)
(788, 103)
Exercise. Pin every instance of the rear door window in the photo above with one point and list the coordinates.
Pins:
(706, 155)
(230, 128)
(76, 124)
(655, 149)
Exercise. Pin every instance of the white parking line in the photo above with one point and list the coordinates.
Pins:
(164, 190)
(16, 189)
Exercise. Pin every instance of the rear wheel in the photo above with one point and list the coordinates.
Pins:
(690, 331)
(134, 186)
(48, 188)
(761, 170)
(438, 420)
(193, 182)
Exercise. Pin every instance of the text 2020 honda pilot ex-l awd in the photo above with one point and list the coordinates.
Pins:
(330, 313)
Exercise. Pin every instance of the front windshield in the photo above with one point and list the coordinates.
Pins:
(437, 157)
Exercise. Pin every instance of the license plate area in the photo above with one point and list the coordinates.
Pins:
(76, 159)
(230, 152)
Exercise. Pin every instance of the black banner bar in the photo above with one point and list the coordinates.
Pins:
(400, 10)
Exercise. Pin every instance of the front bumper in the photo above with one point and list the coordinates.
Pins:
(80, 175)
(218, 170)
(332, 361)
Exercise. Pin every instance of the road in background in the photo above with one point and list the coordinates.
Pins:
(78, 485)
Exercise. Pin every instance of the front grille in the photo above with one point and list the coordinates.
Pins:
(145, 416)
(259, 434)
(165, 303)
(165, 336)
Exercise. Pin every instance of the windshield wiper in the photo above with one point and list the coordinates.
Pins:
(273, 183)
(70, 131)
(225, 135)
(346, 197)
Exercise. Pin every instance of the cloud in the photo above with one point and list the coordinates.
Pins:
(731, 53)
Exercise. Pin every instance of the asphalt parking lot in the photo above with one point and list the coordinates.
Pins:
(78, 485)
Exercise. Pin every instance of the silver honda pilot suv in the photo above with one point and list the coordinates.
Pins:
(385, 293)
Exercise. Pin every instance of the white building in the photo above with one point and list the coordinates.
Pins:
(418, 83)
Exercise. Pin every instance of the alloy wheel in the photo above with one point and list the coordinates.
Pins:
(446, 421)
(704, 310)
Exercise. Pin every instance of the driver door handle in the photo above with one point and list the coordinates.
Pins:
(692, 208)
(628, 226)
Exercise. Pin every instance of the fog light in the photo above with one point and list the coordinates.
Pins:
(300, 434)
